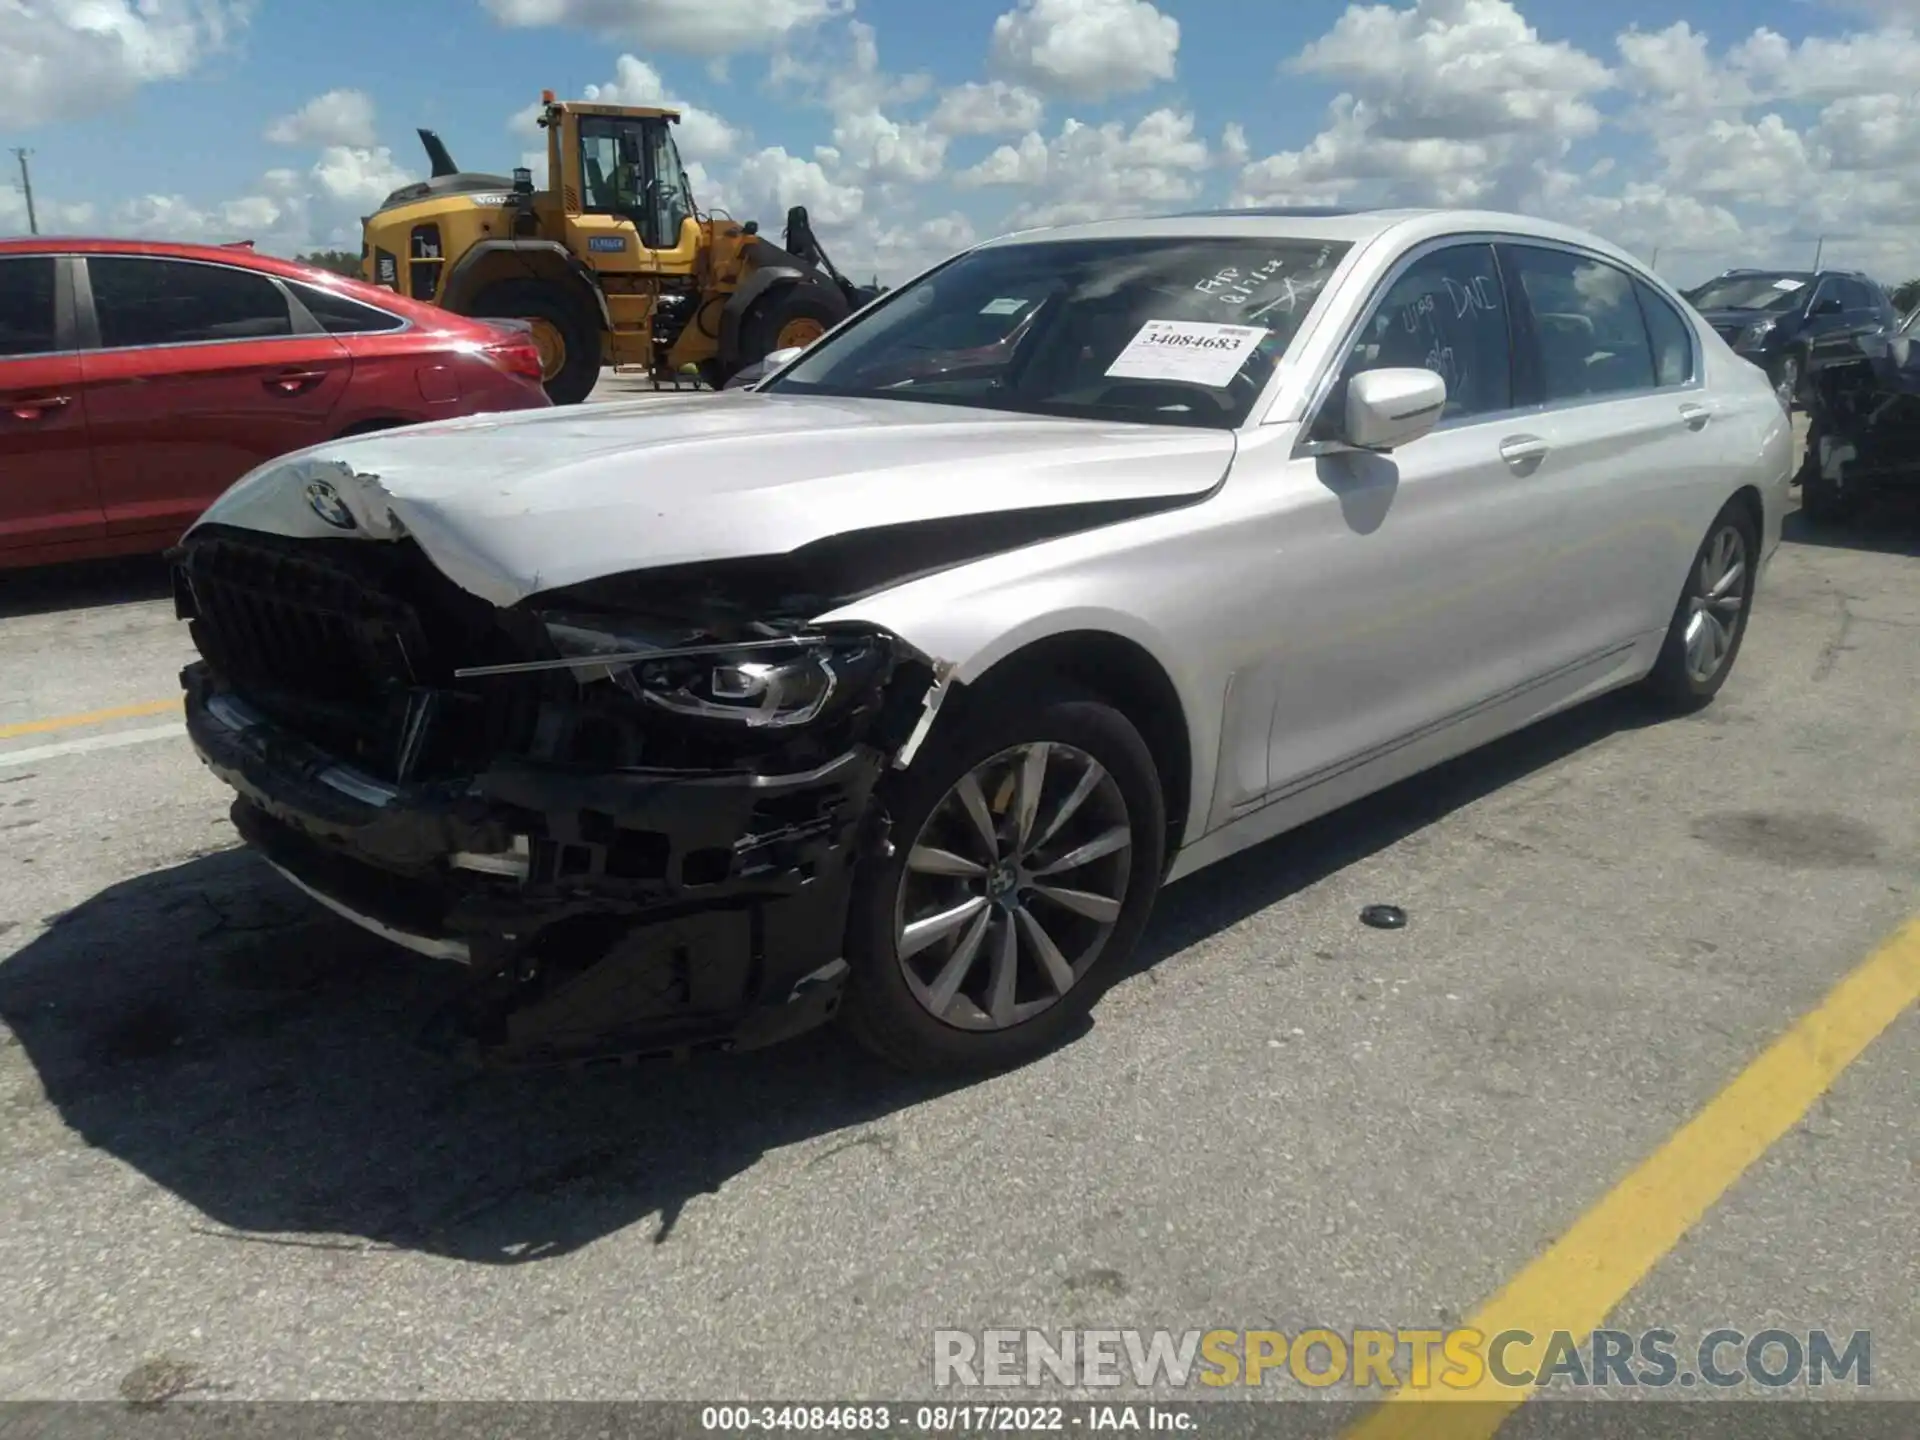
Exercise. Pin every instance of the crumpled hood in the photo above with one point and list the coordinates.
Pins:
(512, 505)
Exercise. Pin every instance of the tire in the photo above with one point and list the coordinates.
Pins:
(893, 1016)
(788, 308)
(577, 329)
(1676, 678)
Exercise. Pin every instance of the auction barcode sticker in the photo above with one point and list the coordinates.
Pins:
(1189, 350)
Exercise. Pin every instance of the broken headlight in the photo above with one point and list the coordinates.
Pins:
(1755, 334)
(775, 683)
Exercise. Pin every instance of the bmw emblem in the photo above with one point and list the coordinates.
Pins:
(325, 502)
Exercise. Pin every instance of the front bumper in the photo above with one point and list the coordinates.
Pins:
(602, 915)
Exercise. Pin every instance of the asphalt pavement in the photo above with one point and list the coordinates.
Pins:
(228, 1171)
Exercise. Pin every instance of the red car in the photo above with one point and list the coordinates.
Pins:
(138, 381)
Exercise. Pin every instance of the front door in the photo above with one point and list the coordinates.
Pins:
(200, 376)
(1414, 587)
(48, 503)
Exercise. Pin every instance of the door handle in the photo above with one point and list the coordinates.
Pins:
(1523, 452)
(292, 382)
(1695, 416)
(38, 407)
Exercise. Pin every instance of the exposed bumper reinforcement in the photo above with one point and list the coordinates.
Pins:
(601, 917)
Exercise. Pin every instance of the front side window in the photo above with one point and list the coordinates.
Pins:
(669, 194)
(27, 320)
(1446, 314)
(143, 301)
(610, 164)
(1177, 331)
(1587, 329)
(1671, 336)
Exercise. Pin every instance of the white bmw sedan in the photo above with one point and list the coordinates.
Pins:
(895, 688)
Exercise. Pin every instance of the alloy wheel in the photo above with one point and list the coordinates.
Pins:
(1718, 596)
(1013, 886)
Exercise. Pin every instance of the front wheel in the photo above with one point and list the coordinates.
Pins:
(1028, 847)
(1711, 619)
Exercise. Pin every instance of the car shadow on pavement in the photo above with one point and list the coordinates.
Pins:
(1888, 525)
(81, 585)
(256, 1057)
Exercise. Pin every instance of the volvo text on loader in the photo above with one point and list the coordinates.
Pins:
(613, 263)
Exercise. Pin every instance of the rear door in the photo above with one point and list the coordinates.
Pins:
(47, 498)
(1629, 436)
(202, 372)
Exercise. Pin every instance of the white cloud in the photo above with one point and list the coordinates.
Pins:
(66, 58)
(771, 180)
(359, 176)
(695, 27)
(339, 117)
(1085, 49)
(887, 150)
(1452, 102)
(701, 134)
(995, 108)
(1091, 172)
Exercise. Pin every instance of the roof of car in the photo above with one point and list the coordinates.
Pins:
(237, 251)
(1325, 223)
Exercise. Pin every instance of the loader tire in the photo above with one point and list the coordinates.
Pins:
(567, 333)
(789, 316)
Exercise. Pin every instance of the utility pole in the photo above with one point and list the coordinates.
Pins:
(1818, 246)
(26, 184)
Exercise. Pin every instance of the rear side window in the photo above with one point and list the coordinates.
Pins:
(340, 316)
(1671, 335)
(1587, 329)
(1446, 314)
(142, 301)
(26, 306)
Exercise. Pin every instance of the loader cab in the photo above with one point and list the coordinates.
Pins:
(626, 189)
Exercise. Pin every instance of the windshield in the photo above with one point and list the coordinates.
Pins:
(1170, 332)
(1750, 292)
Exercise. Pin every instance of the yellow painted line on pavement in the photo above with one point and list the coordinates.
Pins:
(1576, 1283)
(88, 717)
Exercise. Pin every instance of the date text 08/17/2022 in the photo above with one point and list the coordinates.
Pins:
(945, 1419)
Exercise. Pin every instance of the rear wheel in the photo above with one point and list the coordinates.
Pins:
(564, 331)
(1028, 847)
(1710, 621)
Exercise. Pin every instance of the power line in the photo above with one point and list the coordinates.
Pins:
(26, 184)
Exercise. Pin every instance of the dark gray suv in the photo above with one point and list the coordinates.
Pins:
(1784, 320)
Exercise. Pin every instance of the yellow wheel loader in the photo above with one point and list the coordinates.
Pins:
(613, 263)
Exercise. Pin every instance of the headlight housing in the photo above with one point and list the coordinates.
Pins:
(777, 683)
(1755, 334)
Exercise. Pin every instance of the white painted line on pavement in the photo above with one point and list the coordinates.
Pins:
(34, 753)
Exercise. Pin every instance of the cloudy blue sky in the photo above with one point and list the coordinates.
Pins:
(1718, 131)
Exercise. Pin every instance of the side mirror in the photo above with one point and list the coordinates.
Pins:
(748, 377)
(1829, 306)
(1393, 407)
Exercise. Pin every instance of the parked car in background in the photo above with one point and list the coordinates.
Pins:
(952, 651)
(1783, 320)
(139, 380)
(1863, 413)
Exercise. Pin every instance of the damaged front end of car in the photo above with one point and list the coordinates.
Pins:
(1864, 423)
(632, 809)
